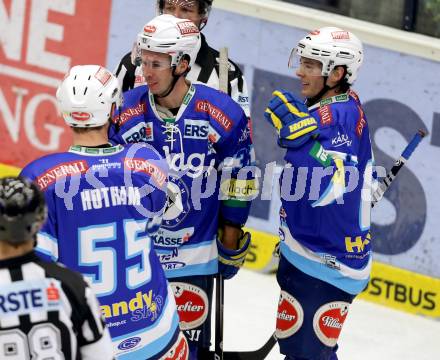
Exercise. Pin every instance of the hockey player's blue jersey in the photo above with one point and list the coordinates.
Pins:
(103, 204)
(208, 140)
(326, 197)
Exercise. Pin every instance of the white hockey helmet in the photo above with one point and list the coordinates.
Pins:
(87, 95)
(333, 47)
(173, 36)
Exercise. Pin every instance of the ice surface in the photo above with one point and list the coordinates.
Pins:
(371, 332)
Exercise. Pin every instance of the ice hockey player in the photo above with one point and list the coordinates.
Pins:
(204, 137)
(325, 241)
(46, 311)
(104, 203)
(206, 66)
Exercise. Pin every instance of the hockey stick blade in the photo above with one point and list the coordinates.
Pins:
(258, 354)
(400, 162)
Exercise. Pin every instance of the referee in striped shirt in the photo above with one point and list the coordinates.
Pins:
(46, 311)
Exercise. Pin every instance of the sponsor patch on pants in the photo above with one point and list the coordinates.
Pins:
(179, 351)
(192, 304)
(328, 321)
(290, 316)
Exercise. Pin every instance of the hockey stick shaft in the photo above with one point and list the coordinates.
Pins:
(219, 286)
(398, 165)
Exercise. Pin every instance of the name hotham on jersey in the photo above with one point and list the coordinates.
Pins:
(105, 197)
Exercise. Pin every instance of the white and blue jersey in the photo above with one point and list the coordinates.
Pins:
(205, 146)
(103, 204)
(326, 197)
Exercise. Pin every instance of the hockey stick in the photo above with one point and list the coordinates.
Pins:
(399, 163)
(219, 284)
(262, 352)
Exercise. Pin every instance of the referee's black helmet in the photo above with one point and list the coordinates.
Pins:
(22, 210)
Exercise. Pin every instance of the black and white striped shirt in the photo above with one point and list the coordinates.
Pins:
(48, 312)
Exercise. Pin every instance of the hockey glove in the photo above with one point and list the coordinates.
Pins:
(291, 119)
(230, 261)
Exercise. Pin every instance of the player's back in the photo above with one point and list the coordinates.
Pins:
(103, 204)
(44, 309)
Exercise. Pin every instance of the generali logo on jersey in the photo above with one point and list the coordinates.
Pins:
(130, 113)
(60, 171)
(146, 167)
(40, 41)
(215, 113)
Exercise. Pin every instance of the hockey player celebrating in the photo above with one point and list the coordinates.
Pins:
(47, 311)
(325, 241)
(203, 135)
(104, 203)
(205, 68)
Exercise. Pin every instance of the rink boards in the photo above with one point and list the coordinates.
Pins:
(389, 286)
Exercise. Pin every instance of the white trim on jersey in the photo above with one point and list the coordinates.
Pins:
(47, 245)
(340, 275)
(198, 255)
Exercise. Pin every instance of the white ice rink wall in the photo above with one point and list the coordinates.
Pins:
(399, 85)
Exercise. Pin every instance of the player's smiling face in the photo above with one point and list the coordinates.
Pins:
(157, 71)
(309, 72)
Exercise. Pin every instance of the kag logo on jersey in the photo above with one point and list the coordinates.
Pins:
(129, 343)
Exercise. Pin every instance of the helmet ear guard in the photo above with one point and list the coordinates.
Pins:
(86, 96)
(22, 210)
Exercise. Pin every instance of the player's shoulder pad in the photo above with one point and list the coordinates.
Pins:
(331, 113)
(134, 106)
(144, 158)
(44, 170)
(225, 113)
(44, 163)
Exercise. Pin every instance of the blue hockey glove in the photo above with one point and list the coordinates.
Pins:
(291, 119)
(230, 261)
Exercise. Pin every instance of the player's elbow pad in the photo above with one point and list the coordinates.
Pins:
(230, 261)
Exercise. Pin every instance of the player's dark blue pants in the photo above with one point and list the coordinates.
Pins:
(310, 315)
(196, 327)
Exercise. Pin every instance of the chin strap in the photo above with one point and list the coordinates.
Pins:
(315, 99)
(173, 83)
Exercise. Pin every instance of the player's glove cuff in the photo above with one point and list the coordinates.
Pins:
(230, 261)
